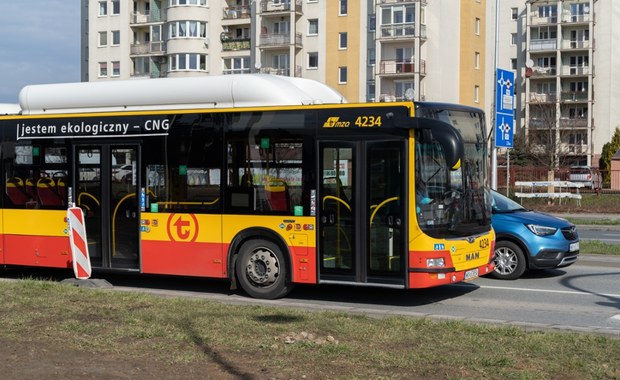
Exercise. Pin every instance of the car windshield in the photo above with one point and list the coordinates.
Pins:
(503, 204)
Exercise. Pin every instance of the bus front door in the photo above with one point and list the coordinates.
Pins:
(106, 188)
(362, 212)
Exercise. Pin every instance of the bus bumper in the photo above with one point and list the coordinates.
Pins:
(427, 278)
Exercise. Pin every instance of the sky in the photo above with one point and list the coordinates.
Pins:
(39, 43)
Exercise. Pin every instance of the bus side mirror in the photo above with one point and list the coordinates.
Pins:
(448, 137)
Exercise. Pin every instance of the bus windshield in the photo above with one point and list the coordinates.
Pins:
(453, 203)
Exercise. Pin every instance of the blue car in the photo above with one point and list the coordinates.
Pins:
(529, 240)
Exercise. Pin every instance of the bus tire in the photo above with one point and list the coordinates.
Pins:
(509, 261)
(261, 270)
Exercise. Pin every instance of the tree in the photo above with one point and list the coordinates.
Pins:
(609, 150)
(542, 146)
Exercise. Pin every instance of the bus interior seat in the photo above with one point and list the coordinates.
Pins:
(47, 192)
(16, 191)
(31, 188)
(61, 188)
(277, 193)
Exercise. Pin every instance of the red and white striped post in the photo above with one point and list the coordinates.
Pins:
(78, 242)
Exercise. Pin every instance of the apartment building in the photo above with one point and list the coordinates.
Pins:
(562, 52)
(369, 50)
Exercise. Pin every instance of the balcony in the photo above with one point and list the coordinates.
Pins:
(423, 2)
(568, 123)
(234, 13)
(547, 44)
(400, 31)
(148, 48)
(576, 45)
(570, 19)
(279, 6)
(278, 40)
(575, 148)
(542, 123)
(536, 20)
(540, 97)
(576, 70)
(139, 18)
(574, 96)
(401, 67)
(284, 71)
(236, 44)
(236, 71)
(543, 72)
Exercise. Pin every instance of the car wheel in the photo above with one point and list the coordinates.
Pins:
(261, 270)
(509, 261)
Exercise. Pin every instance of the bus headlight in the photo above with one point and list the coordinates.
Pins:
(437, 262)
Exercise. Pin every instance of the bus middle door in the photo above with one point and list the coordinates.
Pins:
(107, 189)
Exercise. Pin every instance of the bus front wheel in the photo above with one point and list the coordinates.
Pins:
(261, 270)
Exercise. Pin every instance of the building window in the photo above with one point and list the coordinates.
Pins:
(237, 65)
(404, 90)
(372, 57)
(513, 64)
(103, 39)
(116, 69)
(477, 26)
(343, 9)
(103, 69)
(549, 12)
(103, 8)
(116, 7)
(313, 27)
(116, 37)
(142, 66)
(476, 60)
(370, 91)
(513, 39)
(342, 75)
(372, 22)
(188, 62)
(342, 40)
(514, 13)
(313, 60)
(477, 94)
(188, 29)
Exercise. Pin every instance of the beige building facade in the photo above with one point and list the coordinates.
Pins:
(372, 50)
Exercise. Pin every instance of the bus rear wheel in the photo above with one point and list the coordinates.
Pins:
(261, 270)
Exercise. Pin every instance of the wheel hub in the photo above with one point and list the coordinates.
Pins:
(263, 267)
(505, 261)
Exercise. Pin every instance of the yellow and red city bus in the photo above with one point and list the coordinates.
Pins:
(266, 181)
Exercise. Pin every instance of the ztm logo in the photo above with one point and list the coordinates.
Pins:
(182, 227)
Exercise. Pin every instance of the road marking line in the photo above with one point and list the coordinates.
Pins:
(552, 291)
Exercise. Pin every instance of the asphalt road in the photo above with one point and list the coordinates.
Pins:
(604, 234)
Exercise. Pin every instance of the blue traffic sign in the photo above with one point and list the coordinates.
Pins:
(504, 108)
(504, 131)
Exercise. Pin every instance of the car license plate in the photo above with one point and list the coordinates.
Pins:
(573, 247)
(471, 274)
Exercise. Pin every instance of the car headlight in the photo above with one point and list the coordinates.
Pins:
(541, 230)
